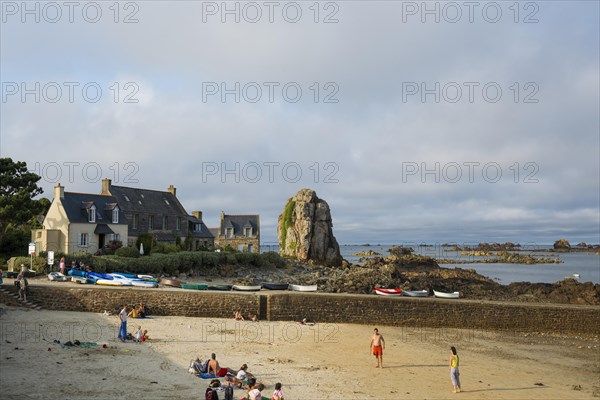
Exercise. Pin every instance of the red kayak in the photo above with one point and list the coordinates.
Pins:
(388, 292)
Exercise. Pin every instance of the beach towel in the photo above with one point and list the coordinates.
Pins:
(206, 376)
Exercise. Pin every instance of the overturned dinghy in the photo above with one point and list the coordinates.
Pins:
(57, 277)
(388, 292)
(275, 286)
(245, 288)
(416, 293)
(303, 288)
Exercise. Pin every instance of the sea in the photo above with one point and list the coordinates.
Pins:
(585, 264)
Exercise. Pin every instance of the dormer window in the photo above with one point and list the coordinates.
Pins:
(229, 232)
(92, 214)
(115, 215)
(197, 227)
(247, 232)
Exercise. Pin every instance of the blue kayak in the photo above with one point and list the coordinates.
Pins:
(76, 272)
(128, 276)
(98, 275)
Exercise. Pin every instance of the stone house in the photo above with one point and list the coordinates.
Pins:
(159, 214)
(241, 232)
(80, 223)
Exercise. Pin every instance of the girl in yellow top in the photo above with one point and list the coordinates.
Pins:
(454, 374)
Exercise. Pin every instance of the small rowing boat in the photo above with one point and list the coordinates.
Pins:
(244, 288)
(303, 288)
(194, 286)
(275, 286)
(219, 287)
(443, 295)
(416, 293)
(388, 292)
(57, 276)
(170, 282)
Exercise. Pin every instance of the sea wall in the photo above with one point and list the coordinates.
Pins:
(327, 308)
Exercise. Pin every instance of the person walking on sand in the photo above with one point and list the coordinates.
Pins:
(123, 321)
(377, 346)
(454, 374)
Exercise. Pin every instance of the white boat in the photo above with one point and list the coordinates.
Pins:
(125, 281)
(303, 288)
(113, 282)
(57, 276)
(576, 276)
(416, 293)
(443, 295)
(244, 288)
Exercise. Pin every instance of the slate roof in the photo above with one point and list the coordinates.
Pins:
(204, 231)
(77, 204)
(238, 223)
(147, 201)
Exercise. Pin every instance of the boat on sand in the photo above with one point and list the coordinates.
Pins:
(444, 295)
(303, 288)
(388, 292)
(416, 293)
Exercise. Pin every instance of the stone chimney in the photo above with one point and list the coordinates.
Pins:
(59, 191)
(197, 214)
(172, 190)
(106, 186)
(222, 218)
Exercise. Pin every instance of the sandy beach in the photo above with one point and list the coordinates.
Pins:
(325, 361)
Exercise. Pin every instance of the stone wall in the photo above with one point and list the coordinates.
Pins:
(321, 307)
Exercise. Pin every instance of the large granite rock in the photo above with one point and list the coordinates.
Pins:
(562, 244)
(305, 232)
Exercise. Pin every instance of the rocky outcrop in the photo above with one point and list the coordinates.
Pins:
(366, 253)
(305, 232)
(562, 244)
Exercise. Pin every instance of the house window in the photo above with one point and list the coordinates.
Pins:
(229, 232)
(248, 232)
(249, 248)
(197, 227)
(240, 247)
(114, 237)
(165, 222)
(83, 240)
(178, 223)
(38, 234)
(115, 216)
(151, 222)
(136, 221)
(92, 214)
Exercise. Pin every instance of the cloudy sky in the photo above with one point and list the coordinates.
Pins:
(436, 122)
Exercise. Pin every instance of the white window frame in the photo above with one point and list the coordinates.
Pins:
(92, 214)
(115, 215)
(84, 240)
(240, 247)
(228, 232)
(247, 232)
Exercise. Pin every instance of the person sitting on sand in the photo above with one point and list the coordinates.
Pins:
(145, 335)
(133, 313)
(242, 377)
(196, 367)
(238, 315)
(214, 368)
(277, 394)
(142, 311)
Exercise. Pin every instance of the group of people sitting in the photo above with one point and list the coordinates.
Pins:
(241, 378)
(138, 311)
(237, 315)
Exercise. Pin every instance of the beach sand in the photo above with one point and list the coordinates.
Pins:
(325, 361)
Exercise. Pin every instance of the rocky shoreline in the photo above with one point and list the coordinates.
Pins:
(407, 271)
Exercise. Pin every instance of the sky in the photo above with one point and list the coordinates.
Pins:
(435, 122)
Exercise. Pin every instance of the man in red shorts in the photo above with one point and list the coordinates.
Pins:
(377, 346)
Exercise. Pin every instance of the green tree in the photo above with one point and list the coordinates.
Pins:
(18, 187)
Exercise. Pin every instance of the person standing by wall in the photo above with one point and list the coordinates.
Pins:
(62, 265)
(377, 346)
(454, 374)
